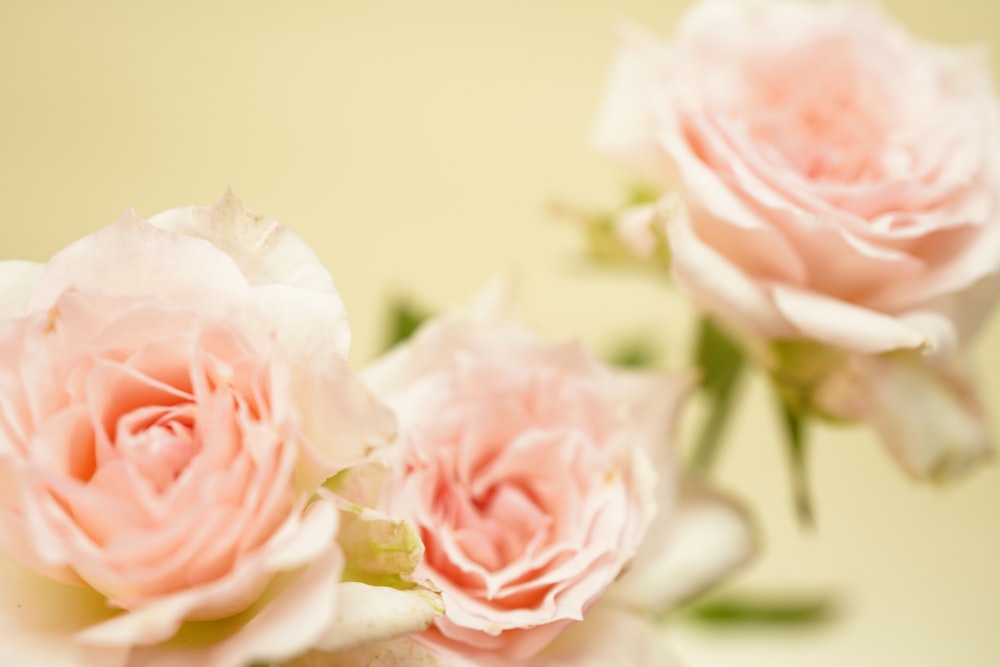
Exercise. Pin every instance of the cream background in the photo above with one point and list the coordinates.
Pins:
(416, 145)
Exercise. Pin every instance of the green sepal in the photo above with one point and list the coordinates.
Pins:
(403, 318)
(378, 550)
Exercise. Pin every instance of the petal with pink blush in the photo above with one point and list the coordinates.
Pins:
(168, 412)
(845, 325)
(133, 257)
(719, 286)
(524, 466)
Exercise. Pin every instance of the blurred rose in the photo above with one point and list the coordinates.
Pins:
(926, 411)
(174, 393)
(841, 179)
(534, 473)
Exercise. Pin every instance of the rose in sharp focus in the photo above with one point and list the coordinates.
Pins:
(175, 392)
(536, 476)
(841, 178)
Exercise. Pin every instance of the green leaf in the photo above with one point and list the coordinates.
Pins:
(764, 610)
(796, 442)
(404, 318)
(721, 361)
(634, 352)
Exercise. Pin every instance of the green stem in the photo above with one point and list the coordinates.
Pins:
(721, 362)
(796, 439)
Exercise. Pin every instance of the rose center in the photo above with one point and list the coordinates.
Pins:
(823, 117)
(159, 441)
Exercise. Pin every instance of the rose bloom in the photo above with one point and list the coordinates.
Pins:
(537, 477)
(840, 180)
(174, 393)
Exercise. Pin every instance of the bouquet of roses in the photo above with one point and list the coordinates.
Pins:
(191, 472)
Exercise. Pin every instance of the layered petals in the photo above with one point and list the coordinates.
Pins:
(174, 394)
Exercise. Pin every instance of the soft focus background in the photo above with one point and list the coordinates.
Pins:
(420, 146)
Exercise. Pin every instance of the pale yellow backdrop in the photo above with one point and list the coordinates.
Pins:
(417, 146)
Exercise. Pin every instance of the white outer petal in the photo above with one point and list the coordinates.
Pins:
(367, 614)
(17, 280)
(844, 325)
(267, 253)
(39, 619)
(132, 256)
(491, 311)
(609, 637)
(626, 124)
(403, 652)
(287, 627)
(707, 538)
(926, 410)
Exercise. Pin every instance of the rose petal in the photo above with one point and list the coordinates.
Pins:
(38, 618)
(268, 253)
(707, 538)
(375, 613)
(17, 280)
(609, 637)
(845, 325)
(405, 652)
(295, 545)
(927, 412)
(719, 286)
(285, 628)
(132, 256)
(625, 125)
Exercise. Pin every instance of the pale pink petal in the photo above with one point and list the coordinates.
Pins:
(270, 254)
(981, 261)
(405, 652)
(266, 251)
(133, 257)
(38, 619)
(343, 422)
(609, 637)
(286, 627)
(295, 545)
(17, 280)
(625, 125)
(968, 310)
(654, 401)
(704, 540)
(719, 286)
(304, 326)
(845, 325)
(491, 312)
(928, 412)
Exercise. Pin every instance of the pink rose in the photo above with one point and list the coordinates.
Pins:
(174, 394)
(841, 179)
(533, 474)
